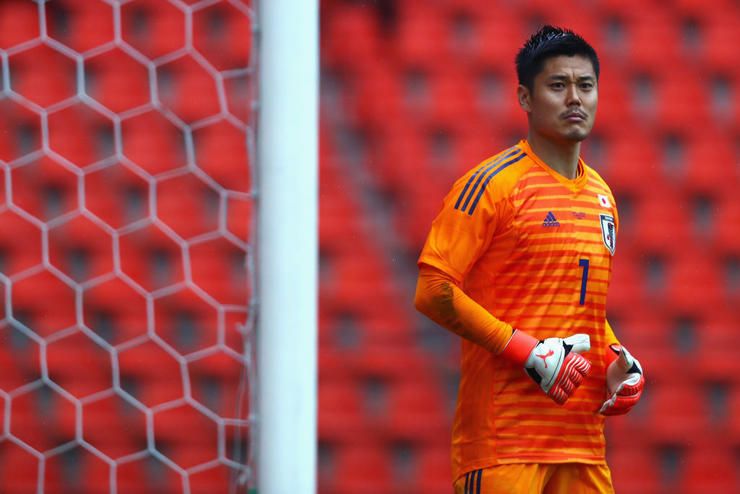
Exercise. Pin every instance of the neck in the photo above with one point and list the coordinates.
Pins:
(560, 156)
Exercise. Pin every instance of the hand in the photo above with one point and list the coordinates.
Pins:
(555, 364)
(624, 382)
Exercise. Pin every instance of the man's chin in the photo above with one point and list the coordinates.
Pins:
(577, 135)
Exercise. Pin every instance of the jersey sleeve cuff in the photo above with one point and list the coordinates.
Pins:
(519, 347)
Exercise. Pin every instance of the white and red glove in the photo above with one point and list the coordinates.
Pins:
(624, 381)
(553, 363)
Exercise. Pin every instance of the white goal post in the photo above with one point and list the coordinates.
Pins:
(287, 246)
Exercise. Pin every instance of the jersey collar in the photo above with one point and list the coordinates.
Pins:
(575, 184)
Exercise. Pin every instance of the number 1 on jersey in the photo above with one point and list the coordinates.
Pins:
(584, 279)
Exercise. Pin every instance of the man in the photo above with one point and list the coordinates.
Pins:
(518, 263)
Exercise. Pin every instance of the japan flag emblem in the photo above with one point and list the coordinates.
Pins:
(608, 232)
(604, 201)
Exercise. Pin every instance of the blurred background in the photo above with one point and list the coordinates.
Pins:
(126, 151)
(415, 93)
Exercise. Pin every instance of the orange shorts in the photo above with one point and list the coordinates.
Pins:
(537, 478)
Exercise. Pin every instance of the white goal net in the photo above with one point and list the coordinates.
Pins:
(126, 246)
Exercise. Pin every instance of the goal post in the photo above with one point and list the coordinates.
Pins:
(287, 246)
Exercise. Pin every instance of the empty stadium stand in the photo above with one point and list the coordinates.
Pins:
(417, 92)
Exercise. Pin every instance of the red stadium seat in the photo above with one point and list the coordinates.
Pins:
(221, 150)
(349, 279)
(634, 469)
(223, 35)
(151, 258)
(715, 351)
(142, 475)
(672, 409)
(218, 269)
(342, 414)
(682, 101)
(415, 411)
(117, 80)
(725, 236)
(153, 143)
(42, 75)
(700, 9)
(423, 40)
(45, 189)
(615, 109)
(79, 365)
(46, 301)
(19, 23)
(153, 28)
(651, 337)
(80, 119)
(709, 469)
(188, 205)
(75, 470)
(451, 98)
(115, 311)
(632, 163)
(87, 25)
(389, 363)
(662, 222)
(694, 282)
(402, 154)
(378, 95)
(499, 34)
(18, 467)
(82, 249)
(709, 165)
(360, 469)
(350, 33)
(653, 40)
(733, 415)
(116, 195)
(188, 77)
(719, 37)
(433, 473)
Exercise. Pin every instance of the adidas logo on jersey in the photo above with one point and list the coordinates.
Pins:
(550, 220)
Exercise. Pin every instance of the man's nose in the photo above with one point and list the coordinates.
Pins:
(572, 95)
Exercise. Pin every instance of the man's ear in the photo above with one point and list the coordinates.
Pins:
(525, 98)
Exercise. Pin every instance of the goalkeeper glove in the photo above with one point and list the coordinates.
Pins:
(554, 363)
(624, 382)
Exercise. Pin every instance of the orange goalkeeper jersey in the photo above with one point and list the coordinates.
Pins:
(535, 250)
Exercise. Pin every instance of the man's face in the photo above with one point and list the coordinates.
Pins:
(562, 104)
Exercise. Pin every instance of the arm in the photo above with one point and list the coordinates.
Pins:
(554, 363)
(439, 297)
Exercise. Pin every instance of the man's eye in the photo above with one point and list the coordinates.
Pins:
(557, 85)
(587, 85)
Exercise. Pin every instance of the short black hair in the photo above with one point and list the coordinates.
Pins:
(550, 42)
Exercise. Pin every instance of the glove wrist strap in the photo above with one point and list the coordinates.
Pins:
(519, 347)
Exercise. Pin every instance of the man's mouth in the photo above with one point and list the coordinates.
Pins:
(574, 116)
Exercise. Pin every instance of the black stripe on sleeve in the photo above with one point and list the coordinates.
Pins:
(479, 174)
(488, 179)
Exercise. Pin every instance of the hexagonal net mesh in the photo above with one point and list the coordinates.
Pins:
(125, 246)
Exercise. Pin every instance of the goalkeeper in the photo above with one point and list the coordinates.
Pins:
(518, 263)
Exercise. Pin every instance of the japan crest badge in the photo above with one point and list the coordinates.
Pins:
(608, 232)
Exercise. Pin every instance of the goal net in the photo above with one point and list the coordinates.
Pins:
(126, 246)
